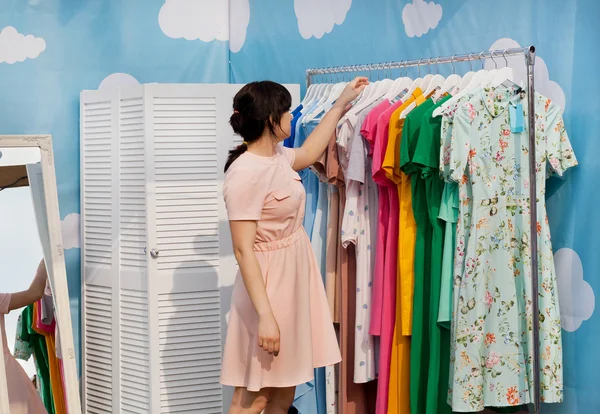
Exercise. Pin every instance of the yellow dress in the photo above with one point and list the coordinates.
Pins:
(399, 388)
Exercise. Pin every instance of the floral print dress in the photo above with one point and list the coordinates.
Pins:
(492, 335)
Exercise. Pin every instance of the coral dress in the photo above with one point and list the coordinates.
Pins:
(22, 396)
(268, 190)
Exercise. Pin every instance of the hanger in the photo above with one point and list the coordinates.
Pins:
(312, 91)
(503, 74)
(308, 95)
(376, 91)
(383, 86)
(479, 78)
(400, 86)
(335, 93)
(327, 100)
(318, 105)
(417, 83)
(467, 76)
(437, 81)
(493, 73)
(451, 82)
(427, 78)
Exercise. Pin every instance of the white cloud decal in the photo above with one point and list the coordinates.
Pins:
(117, 79)
(70, 231)
(576, 296)
(420, 16)
(16, 47)
(239, 17)
(543, 84)
(206, 20)
(317, 17)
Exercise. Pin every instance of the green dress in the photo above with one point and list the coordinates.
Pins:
(427, 159)
(492, 335)
(38, 344)
(420, 341)
(449, 215)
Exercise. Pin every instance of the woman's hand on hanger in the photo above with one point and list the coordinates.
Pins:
(317, 141)
(34, 293)
(352, 90)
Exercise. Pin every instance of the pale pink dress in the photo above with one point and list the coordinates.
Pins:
(22, 396)
(268, 190)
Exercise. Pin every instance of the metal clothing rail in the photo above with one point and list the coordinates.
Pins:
(529, 55)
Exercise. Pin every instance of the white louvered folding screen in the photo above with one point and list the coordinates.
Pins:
(186, 237)
(99, 137)
(157, 259)
(134, 345)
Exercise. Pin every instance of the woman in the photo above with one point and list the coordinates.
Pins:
(280, 327)
(22, 396)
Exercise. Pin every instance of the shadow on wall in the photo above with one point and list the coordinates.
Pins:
(192, 328)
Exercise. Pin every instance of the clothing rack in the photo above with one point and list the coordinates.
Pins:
(529, 54)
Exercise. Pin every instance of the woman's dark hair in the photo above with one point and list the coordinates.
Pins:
(258, 105)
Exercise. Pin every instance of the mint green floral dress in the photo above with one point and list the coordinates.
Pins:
(492, 337)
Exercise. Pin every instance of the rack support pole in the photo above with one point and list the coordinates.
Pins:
(530, 62)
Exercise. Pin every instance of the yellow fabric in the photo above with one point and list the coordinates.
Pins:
(399, 387)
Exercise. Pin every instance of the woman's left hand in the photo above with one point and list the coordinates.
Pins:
(352, 90)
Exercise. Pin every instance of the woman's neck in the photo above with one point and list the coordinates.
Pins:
(264, 146)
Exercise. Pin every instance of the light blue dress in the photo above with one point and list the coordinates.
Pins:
(310, 397)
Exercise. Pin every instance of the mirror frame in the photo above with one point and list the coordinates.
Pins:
(58, 281)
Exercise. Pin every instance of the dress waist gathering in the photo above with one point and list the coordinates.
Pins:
(297, 235)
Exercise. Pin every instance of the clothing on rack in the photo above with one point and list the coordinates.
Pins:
(312, 396)
(451, 303)
(449, 215)
(22, 395)
(429, 377)
(361, 200)
(491, 339)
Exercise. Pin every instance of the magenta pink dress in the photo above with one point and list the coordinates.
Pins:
(22, 396)
(376, 126)
(268, 190)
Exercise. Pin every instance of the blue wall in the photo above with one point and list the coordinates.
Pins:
(87, 40)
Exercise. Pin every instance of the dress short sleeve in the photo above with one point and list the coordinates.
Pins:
(23, 349)
(559, 152)
(4, 303)
(244, 192)
(289, 154)
(460, 143)
(445, 147)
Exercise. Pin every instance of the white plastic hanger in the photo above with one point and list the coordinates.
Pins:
(436, 83)
(481, 77)
(400, 86)
(319, 104)
(451, 82)
(317, 95)
(334, 95)
(308, 95)
(311, 92)
(417, 83)
(426, 82)
(327, 101)
(375, 92)
(466, 79)
(503, 74)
